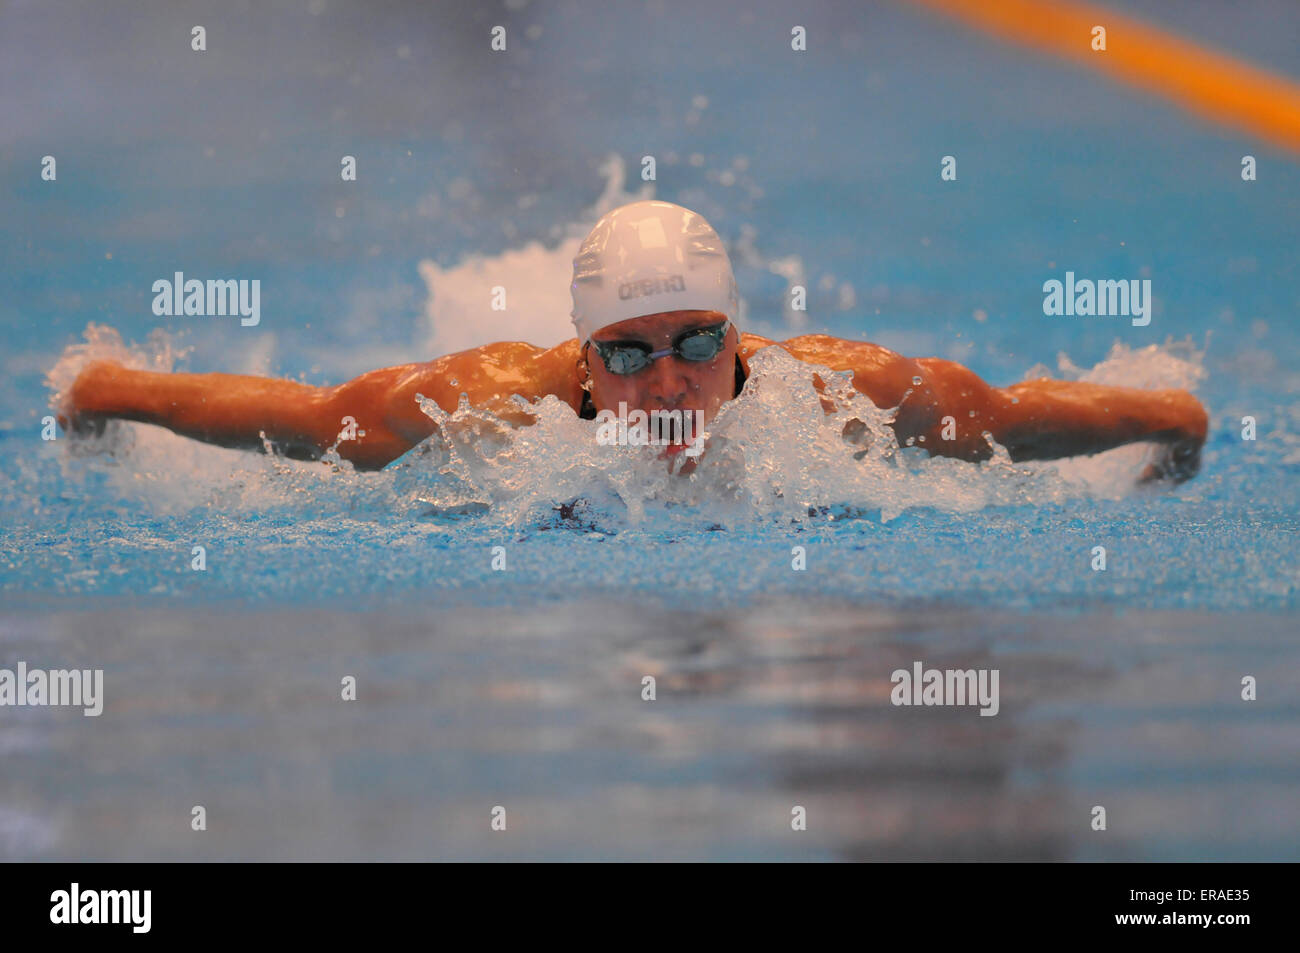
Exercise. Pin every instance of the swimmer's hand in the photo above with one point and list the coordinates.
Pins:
(77, 413)
(1178, 454)
(1175, 462)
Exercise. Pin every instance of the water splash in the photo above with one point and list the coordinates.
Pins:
(537, 277)
(775, 452)
(772, 452)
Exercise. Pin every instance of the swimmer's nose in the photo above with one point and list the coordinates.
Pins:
(666, 382)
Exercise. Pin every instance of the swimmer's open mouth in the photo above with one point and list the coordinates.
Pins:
(673, 439)
(691, 449)
(669, 431)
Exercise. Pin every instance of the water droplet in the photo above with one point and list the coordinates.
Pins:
(916, 380)
(911, 440)
(972, 413)
(921, 439)
(453, 382)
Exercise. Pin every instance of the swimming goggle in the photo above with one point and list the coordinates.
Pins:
(694, 344)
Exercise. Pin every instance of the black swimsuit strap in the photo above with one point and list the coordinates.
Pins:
(588, 411)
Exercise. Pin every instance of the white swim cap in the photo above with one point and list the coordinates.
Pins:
(648, 257)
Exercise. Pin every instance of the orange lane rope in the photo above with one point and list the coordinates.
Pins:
(1208, 83)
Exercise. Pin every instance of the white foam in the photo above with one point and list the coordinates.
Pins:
(771, 452)
(536, 279)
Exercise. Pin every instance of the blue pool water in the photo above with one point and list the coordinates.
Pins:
(478, 685)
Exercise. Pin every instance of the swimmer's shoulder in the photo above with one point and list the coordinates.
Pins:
(556, 371)
(491, 374)
(878, 372)
(749, 345)
(838, 354)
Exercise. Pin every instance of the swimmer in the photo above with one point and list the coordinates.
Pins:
(655, 307)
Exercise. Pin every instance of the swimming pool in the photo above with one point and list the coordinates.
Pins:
(477, 685)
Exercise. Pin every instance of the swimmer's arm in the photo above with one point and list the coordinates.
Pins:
(1035, 420)
(301, 421)
(231, 410)
(1045, 419)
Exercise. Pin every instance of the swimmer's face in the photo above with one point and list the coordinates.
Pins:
(671, 382)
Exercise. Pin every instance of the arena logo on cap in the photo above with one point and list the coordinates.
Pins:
(651, 286)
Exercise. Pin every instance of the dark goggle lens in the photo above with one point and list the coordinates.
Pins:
(625, 360)
(699, 347)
